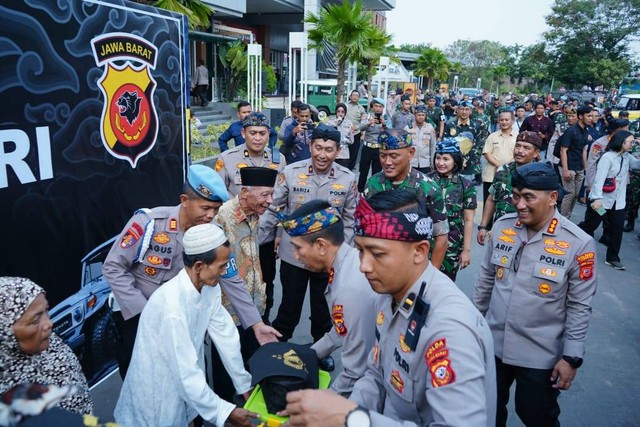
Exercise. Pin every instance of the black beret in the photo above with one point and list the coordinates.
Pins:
(253, 176)
(326, 132)
(535, 176)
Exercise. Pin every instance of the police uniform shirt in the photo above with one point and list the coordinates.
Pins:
(231, 161)
(297, 184)
(351, 302)
(449, 379)
(155, 237)
(424, 140)
(536, 293)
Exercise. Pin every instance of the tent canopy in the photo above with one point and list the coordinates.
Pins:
(397, 73)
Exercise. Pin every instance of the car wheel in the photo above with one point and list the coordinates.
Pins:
(324, 110)
(102, 340)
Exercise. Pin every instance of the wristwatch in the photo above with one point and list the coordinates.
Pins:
(575, 362)
(358, 417)
(482, 227)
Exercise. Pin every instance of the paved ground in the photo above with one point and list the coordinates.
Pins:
(607, 387)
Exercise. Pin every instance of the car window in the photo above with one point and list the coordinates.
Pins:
(622, 104)
(92, 271)
(634, 104)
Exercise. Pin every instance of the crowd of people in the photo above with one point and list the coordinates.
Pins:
(193, 284)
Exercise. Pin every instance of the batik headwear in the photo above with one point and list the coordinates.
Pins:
(207, 184)
(311, 223)
(403, 226)
(535, 176)
(394, 139)
(326, 132)
(530, 137)
(421, 109)
(467, 104)
(255, 118)
(448, 145)
(57, 365)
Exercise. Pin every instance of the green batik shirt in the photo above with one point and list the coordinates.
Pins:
(459, 194)
(475, 155)
(453, 127)
(424, 185)
(501, 190)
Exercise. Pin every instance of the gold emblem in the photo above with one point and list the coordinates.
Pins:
(544, 288)
(506, 239)
(161, 238)
(509, 231)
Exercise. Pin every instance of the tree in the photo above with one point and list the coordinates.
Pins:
(594, 49)
(198, 13)
(378, 45)
(414, 48)
(233, 56)
(433, 65)
(477, 56)
(346, 27)
(529, 64)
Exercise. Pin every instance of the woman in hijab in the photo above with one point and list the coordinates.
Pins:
(29, 350)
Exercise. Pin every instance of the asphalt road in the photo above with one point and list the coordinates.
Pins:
(606, 390)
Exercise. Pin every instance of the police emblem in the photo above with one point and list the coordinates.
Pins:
(500, 273)
(129, 122)
(544, 288)
(337, 316)
(162, 238)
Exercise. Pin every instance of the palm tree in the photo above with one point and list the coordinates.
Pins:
(198, 13)
(433, 65)
(346, 27)
(377, 45)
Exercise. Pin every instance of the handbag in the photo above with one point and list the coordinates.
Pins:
(609, 185)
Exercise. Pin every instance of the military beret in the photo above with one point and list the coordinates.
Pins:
(394, 139)
(253, 176)
(207, 184)
(255, 119)
(448, 145)
(535, 176)
(377, 101)
(467, 104)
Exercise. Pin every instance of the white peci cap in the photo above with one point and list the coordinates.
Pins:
(202, 238)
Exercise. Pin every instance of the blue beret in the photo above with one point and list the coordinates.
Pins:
(468, 104)
(448, 145)
(207, 184)
(377, 101)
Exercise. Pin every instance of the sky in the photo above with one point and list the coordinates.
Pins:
(441, 22)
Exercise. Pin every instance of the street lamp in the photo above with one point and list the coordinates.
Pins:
(384, 62)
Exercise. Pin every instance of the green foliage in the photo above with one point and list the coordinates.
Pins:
(433, 65)
(478, 58)
(198, 13)
(233, 56)
(270, 75)
(347, 28)
(594, 49)
(203, 146)
(414, 48)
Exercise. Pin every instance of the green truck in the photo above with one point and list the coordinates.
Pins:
(321, 93)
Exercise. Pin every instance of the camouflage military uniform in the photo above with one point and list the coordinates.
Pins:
(459, 194)
(633, 189)
(476, 151)
(453, 127)
(434, 116)
(426, 186)
(560, 119)
(501, 190)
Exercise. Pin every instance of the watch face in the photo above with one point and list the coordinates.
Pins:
(358, 418)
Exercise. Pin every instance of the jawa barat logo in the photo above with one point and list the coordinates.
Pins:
(129, 123)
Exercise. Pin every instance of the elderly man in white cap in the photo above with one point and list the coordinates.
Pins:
(166, 383)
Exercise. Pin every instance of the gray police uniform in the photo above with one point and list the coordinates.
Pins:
(536, 293)
(231, 161)
(149, 253)
(297, 184)
(351, 303)
(449, 379)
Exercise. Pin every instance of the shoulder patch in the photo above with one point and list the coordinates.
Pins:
(219, 164)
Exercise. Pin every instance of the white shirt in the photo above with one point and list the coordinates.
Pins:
(616, 165)
(424, 141)
(165, 384)
(201, 77)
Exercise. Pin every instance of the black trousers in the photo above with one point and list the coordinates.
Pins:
(353, 151)
(536, 401)
(201, 90)
(343, 162)
(268, 267)
(294, 288)
(222, 383)
(370, 157)
(127, 330)
(614, 230)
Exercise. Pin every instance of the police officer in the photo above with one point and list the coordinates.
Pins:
(316, 178)
(372, 125)
(498, 204)
(255, 131)
(423, 138)
(395, 157)
(432, 360)
(254, 152)
(317, 236)
(535, 288)
(149, 253)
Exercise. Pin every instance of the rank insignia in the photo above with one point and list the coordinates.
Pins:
(173, 224)
(241, 165)
(161, 238)
(380, 319)
(154, 259)
(337, 186)
(303, 176)
(280, 178)
(555, 251)
(337, 315)
(302, 183)
(403, 345)
(376, 353)
(273, 166)
(396, 381)
(509, 232)
(506, 239)
(518, 223)
(549, 241)
(500, 273)
(552, 226)
(562, 244)
(219, 165)
(151, 271)
(544, 288)
(332, 273)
